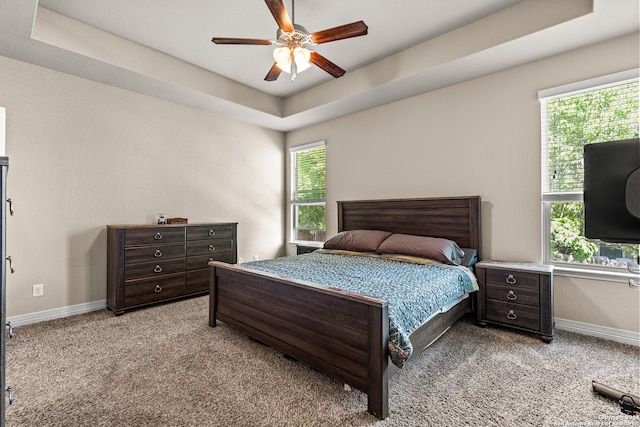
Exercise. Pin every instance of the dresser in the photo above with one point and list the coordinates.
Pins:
(147, 264)
(517, 295)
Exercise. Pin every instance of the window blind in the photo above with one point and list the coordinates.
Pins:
(309, 177)
(571, 120)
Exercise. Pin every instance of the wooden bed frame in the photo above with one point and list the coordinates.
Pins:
(340, 333)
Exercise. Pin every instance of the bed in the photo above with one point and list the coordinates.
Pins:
(338, 332)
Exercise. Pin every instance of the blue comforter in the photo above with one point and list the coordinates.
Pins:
(416, 289)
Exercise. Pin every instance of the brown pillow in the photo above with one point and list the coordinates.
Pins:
(357, 240)
(443, 250)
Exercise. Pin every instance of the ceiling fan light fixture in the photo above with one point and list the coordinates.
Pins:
(285, 56)
(282, 55)
(302, 56)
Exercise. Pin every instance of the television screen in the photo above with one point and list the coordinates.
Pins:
(612, 191)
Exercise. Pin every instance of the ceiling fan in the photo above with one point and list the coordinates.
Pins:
(294, 55)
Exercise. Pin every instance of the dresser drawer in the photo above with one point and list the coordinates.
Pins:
(518, 315)
(199, 262)
(152, 290)
(153, 253)
(513, 278)
(151, 269)
(513, 294)
(153, 235)
(210, 232)
(197, 281)
(209, 247)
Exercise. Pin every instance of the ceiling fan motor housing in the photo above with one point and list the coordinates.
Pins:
(297, 38)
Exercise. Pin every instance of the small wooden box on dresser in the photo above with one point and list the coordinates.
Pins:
(518, 295)
(147, 264)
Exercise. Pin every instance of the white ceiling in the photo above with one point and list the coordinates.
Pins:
(163, 48)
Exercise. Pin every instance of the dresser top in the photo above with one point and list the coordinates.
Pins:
(543, 268)
(193, 224)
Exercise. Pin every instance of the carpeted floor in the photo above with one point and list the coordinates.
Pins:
(164, 366)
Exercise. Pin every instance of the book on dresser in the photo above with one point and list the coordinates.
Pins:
(147, 264)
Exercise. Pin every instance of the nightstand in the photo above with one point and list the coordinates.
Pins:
(305, 249)
(517, 295)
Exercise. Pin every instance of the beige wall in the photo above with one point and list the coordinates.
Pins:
(482, 138)
(83, 155)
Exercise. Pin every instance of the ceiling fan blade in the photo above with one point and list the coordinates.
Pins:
(326, 65)
(231, 40)
(355, 29)
(280, 14)
(273, 73)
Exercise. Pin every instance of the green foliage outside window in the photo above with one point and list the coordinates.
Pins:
(591, 117)
(567, 233)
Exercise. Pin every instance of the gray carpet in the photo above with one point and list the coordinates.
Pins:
(164, 366)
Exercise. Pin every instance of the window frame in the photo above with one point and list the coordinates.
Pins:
(585, 271)
(293, 203)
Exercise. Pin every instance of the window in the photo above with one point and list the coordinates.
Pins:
(589, 112)
(308, 192)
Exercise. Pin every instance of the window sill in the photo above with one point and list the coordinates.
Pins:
(620, 276)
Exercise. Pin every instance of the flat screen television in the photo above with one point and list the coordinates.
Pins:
(612, 191)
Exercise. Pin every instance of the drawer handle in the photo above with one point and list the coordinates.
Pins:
(511, 296)
(511, 280)
(157, 289)
(511, 315)
(212, 233)
(158, 236)
(157, 269)
(212, 248)
(158, 253)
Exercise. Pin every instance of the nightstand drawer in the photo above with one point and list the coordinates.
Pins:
(513, 294)
(518, 315)
(512, 278)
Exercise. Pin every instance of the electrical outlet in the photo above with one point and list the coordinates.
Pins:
(256, 258)
(37, 290)
(240, 260)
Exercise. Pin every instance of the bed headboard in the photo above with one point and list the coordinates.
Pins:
(454, 218)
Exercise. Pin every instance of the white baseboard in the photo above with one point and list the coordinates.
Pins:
(612, 334)
(56, 313)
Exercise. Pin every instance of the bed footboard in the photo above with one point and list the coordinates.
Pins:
(339, 333)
